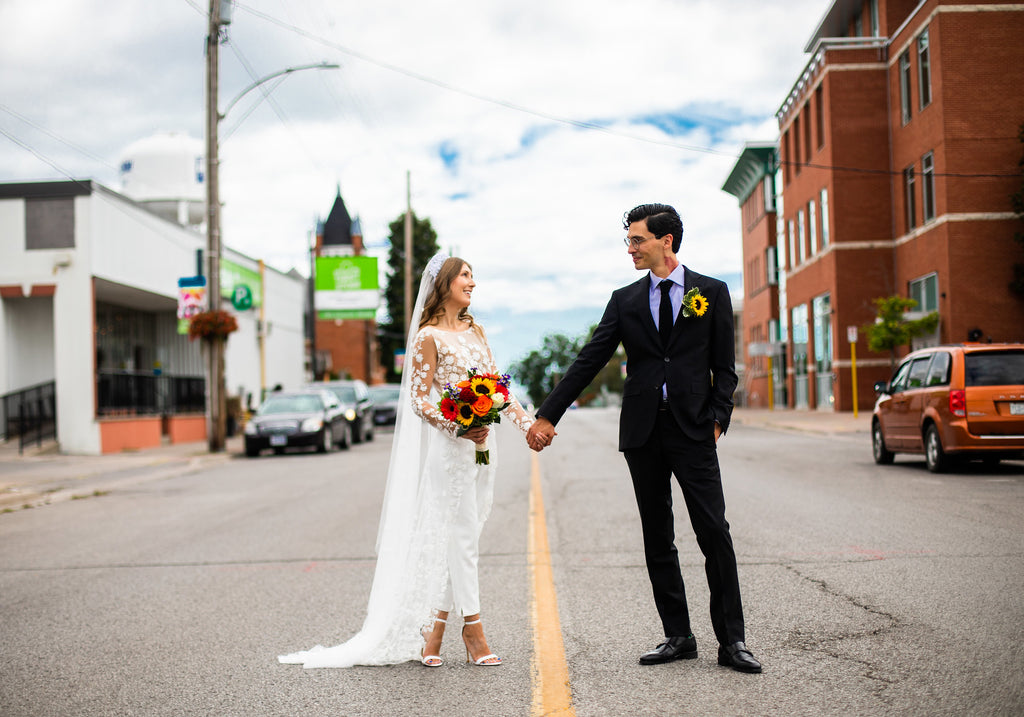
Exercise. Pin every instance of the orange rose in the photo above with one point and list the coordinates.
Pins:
(482, 405)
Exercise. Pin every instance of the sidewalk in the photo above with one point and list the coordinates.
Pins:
(42, 476)
(818, 422)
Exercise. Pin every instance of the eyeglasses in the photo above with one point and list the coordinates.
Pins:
(635, 242)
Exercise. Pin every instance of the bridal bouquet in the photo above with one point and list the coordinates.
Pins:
(476, 401)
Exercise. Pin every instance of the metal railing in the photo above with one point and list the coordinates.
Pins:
(30, 414)
(128, 393)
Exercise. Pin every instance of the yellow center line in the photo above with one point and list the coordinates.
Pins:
(552, 694)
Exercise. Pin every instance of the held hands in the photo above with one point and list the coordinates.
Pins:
(540, 435)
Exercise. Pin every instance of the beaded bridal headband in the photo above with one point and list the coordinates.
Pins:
(435, 264)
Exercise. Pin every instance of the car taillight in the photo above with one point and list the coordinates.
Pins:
(958, 402)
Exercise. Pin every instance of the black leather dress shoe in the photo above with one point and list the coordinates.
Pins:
(738, 657)
(674, 648)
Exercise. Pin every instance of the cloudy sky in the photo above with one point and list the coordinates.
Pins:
(528, 127)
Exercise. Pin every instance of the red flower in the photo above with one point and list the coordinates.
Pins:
(467, 395)
(449, 409)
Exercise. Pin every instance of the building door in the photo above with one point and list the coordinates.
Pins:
(822, 306)
(800, 378)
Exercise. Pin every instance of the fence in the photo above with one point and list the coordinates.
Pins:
(30, 414)
(128, 393)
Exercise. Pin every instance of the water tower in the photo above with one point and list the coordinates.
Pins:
(165, 173)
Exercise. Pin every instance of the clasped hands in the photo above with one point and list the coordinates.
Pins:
(540, 435)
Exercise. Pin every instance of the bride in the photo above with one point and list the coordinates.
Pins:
(436, 499)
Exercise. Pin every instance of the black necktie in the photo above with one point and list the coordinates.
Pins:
(665, 313)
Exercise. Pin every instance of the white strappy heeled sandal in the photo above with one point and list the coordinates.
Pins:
(490, 660)
(432, 660)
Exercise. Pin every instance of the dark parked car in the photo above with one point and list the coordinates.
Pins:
(951, 403)
(355, 400)
(385, 403)
(297, 418)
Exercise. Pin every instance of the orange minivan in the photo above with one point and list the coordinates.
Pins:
(952, 403)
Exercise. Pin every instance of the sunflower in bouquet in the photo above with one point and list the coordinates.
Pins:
(476, 401)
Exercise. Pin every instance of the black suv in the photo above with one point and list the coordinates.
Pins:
(358, 407)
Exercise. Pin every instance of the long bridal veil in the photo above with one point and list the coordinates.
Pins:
(409, 581)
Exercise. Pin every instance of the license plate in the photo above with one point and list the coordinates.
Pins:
(279, 440)
(1017, 408)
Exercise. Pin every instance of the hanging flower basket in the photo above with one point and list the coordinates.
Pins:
(212, 325)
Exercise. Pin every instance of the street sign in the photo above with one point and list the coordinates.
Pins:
(241, 297)
(191, 300)
(851, 334)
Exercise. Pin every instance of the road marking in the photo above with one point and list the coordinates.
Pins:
(552, 694)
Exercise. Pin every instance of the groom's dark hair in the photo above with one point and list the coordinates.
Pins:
(661, 219)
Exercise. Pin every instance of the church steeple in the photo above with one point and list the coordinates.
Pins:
(338, 227)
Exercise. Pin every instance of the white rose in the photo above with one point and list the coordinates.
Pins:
(498, 400)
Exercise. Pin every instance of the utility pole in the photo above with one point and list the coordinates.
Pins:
(215, 354)
(408, 252)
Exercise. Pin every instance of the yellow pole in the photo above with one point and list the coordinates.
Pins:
(263, 331)
(853, 374)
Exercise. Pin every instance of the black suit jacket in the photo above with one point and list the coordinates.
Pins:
(698, 367)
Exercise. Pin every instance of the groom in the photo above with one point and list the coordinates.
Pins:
(676, 326)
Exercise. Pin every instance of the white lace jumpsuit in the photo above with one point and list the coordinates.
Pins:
(441, 357)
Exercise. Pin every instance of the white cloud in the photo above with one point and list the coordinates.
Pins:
(534, 204)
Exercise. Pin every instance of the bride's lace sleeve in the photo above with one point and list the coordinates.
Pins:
(424, 364)
(515, 411)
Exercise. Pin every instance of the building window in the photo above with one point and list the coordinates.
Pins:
(791, 236)
(824, 219)
(812, 228)
(925, 291)
(771, 265)
(807, 131)
(819, 106)
(928, 187)
(768, 188)
(50, 223)
(858, 25)
(800, 236)
(785, 158)
(873, 9)
(924, 69)
(908, 191)
(796, 144)
(905, 86)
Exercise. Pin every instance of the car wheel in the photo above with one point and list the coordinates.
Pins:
(883, 456)
(369, 432)
(251, 451)
(326, 441)
(934, 457)
(346, 436)
(278, 451)
(356, 431)
(990, 463)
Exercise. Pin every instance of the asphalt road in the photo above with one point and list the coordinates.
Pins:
(867, 590)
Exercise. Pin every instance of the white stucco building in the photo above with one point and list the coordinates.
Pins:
(89, 287)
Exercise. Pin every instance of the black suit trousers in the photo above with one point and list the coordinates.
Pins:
(695, 465)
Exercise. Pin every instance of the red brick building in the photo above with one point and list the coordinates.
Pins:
(343, 348)
(897, 157)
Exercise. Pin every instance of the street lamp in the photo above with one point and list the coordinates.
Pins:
(219, 16)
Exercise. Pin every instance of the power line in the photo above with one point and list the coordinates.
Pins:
(552, 117)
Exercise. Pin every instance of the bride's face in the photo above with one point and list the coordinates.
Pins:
(462, 288)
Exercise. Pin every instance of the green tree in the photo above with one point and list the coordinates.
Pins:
(392, 334)
(1017, 202)
(541, 369)
(892, 329)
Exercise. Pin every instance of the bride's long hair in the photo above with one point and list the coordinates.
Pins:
(433, 306)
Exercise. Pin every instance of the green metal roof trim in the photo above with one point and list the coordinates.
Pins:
(756, 161)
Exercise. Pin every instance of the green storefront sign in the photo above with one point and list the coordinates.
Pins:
(233, 276)
(346, 287)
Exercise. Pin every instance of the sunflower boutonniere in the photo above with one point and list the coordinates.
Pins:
(694, 303)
